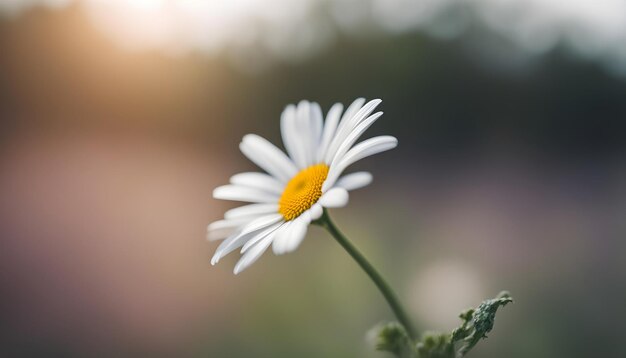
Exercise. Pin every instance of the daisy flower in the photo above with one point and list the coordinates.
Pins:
(295, 186)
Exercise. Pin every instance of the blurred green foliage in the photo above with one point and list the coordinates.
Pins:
(477, 322)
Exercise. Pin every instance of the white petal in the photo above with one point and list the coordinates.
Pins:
(228, 245)
(309, 121)
(289, 239)
(330, 126)
(298, 232)
(316, 211)
(219, 234)
(242, 193)
(334, 198)
(354, 180)
(260, 181)
(291, 139)
(347, 126)
(363, 113)
(281, 238)
(362, 150)
(352, 109)
(261, 223)
(244, 234)
(342, 130)
(317, 120)
(268, 157)
(254, 253)
(258, 236)
(305, 129)
(222, 224)
(251, 210)
(354, 136)
(370, 147)
(223, 228)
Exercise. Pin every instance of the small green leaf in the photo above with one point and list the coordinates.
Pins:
(435, 345)
(478, 322)
(394, 339)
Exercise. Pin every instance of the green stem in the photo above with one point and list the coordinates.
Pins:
(380, 282)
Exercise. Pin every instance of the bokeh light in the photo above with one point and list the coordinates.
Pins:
(118, 118)
(288, 30)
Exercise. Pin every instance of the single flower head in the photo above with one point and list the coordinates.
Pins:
(296, 187)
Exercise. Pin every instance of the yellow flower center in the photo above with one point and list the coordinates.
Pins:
(302, 191)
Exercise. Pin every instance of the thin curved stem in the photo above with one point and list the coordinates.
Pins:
(380, 282)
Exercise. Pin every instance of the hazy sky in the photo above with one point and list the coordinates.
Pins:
(290, 30)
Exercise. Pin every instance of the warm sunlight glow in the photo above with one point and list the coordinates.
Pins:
(143, 5)
(208, 25)
(256, 31)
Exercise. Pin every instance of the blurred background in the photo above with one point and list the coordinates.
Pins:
(118, 118)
